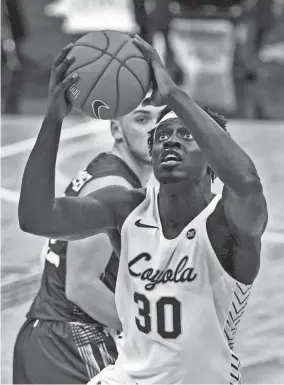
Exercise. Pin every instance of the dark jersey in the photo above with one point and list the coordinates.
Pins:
(50, 302)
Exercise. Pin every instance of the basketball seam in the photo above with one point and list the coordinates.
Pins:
(130, 70)
(115, 58)
(93, 85)
(117, 85)
(106, 67)
(110, 54)
(118, 94)
(86, 64)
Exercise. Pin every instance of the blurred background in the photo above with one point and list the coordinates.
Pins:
(234, 47)
(227, 54)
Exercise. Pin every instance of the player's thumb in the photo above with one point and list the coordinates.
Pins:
(152, 101)
(146, 102)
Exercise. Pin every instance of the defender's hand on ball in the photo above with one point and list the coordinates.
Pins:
(58, 105)
(162, 81)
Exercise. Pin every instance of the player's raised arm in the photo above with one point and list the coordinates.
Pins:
(40, 212)
(232, 165)
(243, 197)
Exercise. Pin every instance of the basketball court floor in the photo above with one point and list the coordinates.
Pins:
(260, 338)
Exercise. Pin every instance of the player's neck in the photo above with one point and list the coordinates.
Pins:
(142, 170)
(181, 202)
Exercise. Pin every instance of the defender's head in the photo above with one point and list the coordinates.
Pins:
(176, 157)
(130, 132)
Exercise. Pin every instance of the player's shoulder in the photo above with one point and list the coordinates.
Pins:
(126, 199)
(129, 199)
(121, 200)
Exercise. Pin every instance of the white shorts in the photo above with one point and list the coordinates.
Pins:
(112, 375)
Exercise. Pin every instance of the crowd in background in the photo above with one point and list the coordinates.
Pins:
(254, 20)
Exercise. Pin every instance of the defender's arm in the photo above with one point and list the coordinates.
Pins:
(87, 260)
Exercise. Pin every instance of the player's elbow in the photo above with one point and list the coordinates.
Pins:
(24, 226)
(43, 223)
(23, 217)
(74, 289)
(70, 293)
(75, 279)
(34, 224)
(28, 225)
(71, 288)
(251, 185)
(28, 219)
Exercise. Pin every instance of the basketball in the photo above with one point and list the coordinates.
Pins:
(114, 75)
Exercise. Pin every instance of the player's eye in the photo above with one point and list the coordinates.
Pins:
(162, 136)
(142, 120)
(188, 136)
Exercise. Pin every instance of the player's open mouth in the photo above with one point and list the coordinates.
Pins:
(170, 158)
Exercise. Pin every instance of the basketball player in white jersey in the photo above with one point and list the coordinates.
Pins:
(188, 258)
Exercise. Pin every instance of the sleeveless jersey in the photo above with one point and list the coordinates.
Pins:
(50, 302)
(179, 308)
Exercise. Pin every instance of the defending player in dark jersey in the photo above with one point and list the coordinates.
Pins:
(69, 334)
(188, 258)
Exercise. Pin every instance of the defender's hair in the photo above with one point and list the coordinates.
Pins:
(214, 115)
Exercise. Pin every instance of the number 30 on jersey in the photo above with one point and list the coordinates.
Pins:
(145, 319)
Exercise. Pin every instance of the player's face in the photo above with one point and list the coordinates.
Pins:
(135, 127)
(176, 156)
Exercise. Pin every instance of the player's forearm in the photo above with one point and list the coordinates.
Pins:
(97, 301)
(38, 184)
(231, 164)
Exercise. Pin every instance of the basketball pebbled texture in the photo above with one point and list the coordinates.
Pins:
(114, 75)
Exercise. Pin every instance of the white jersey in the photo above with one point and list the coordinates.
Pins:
(178, 307)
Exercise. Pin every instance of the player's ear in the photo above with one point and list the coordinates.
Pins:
(116, 130)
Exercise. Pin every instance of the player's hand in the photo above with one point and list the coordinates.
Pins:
(58, 105)
(163, 84)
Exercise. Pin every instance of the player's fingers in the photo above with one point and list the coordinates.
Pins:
(151, 102)
(62, 54)
(62, 68)
(153, 78)
(146, 48)
(68, 82)
(154, 100)
(157, 100)
(141, 44)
